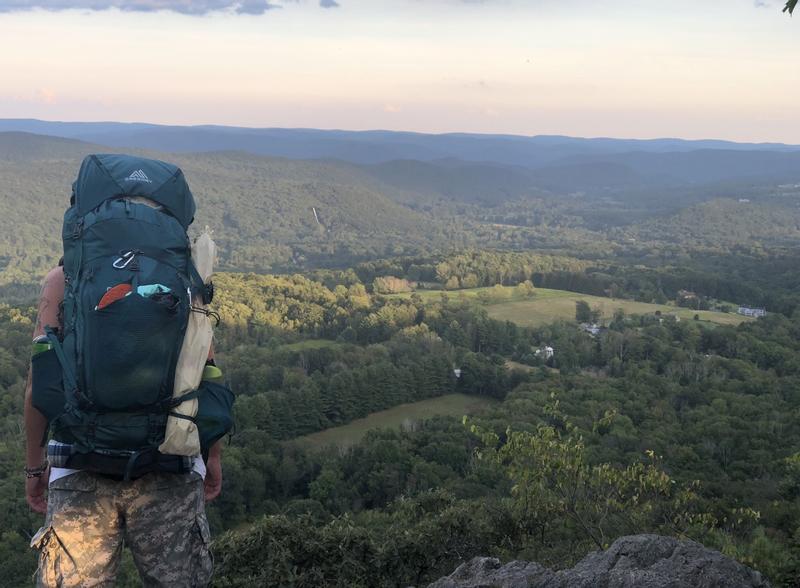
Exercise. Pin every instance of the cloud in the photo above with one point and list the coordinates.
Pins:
(193, 7)
(46, 96)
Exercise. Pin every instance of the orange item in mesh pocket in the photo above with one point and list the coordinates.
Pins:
(114, 294)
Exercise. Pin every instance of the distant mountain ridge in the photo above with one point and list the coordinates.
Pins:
(464, 167)
(368, 147)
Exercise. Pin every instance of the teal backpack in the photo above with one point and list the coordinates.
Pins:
(107, 386)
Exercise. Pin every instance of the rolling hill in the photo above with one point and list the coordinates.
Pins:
(267, 214)
(286, 215)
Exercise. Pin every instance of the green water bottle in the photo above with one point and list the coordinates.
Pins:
(212, 372)
(40, 345)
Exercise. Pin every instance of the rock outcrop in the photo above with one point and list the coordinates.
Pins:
(637, 561)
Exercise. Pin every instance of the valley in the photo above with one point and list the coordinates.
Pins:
(370, 302)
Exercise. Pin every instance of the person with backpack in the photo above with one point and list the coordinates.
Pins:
(111, 329)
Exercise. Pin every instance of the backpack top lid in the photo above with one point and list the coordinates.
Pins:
(106, 176)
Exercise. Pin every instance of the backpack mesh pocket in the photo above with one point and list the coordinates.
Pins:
(131, 352)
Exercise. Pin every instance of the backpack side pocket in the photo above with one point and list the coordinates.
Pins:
(214, 413)
(47, 385)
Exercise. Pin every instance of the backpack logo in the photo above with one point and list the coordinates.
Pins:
(138, 176)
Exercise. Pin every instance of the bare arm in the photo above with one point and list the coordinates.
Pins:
(35, 423)
(213, 481)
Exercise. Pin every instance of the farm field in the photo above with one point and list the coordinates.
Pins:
(349, 434)
(549, 305)
(552, 305)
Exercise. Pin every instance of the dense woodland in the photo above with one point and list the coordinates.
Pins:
(673, 427)
(289, 216)
(651, 424)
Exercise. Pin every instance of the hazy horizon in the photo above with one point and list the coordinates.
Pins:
(386, 130)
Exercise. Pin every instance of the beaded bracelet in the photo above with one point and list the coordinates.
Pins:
(36, 472)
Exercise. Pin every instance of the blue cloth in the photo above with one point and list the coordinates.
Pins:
(149, 290)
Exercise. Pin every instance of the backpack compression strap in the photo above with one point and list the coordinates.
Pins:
(66, 368)
(200, 288)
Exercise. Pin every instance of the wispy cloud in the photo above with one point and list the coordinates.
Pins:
(193, 7)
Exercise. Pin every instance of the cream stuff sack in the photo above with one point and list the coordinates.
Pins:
(182, 436)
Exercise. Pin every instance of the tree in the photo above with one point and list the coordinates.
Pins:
(554, 482)
(583, 312)
(525, 289)
(390, 285)
(452, 283)
(790, 6)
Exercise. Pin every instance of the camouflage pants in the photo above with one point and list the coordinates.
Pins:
(161, 517)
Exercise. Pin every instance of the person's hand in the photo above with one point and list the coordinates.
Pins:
(35, 492)
(213, 482)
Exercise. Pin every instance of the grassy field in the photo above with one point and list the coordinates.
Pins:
(451, 405)
(310, 344)
(552, 305)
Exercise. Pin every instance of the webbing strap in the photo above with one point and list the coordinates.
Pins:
(199, 287)
(129, 465)
(132, 463)
(186, 417)
(173, 402)
(66, 368)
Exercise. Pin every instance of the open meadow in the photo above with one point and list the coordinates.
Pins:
(551, 305)
(347, 435)
(547, 306)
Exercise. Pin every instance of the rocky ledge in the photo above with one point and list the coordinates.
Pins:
(637, 561)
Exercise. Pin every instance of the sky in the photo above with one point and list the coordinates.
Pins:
(727, 69)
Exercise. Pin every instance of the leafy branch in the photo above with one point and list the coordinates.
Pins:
(554, 484)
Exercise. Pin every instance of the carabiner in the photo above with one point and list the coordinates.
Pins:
(124, 259)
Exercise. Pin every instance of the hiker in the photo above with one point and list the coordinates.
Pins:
(114, 325)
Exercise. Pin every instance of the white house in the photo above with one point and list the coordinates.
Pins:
(750, 311)
(593, 329)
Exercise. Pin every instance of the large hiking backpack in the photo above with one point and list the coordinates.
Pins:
(130, 282)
